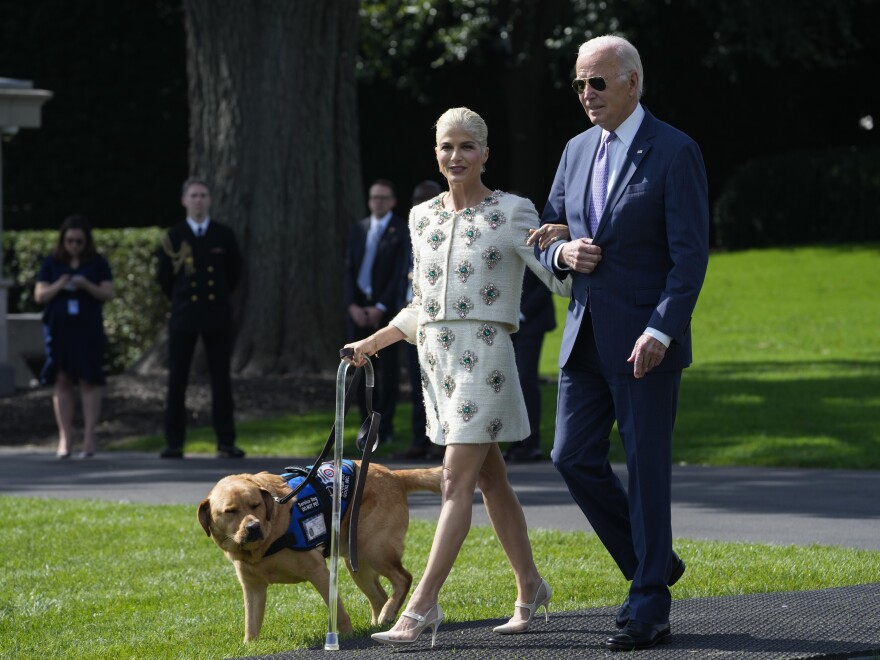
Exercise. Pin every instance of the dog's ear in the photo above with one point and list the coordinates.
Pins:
(269, 503)
(205, 515)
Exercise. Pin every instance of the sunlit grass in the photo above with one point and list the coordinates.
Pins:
(786, 370)
(104, 580)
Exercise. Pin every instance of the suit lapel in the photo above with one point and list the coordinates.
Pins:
(638, 150)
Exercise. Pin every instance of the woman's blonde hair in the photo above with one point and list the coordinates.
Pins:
(467, 120)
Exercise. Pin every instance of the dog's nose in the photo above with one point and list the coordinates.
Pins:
(254, 530)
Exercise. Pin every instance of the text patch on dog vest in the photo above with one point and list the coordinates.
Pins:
(311, 510)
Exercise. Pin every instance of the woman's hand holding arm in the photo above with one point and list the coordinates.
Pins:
(548, 234)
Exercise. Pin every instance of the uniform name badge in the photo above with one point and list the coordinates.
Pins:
(72, 306)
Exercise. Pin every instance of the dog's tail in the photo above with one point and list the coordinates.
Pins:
(420, 479)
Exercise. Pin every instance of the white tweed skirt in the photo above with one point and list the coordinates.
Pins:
(470, 383)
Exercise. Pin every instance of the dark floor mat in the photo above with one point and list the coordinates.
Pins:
(830, 623)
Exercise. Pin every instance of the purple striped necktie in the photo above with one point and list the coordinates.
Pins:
(599, 187)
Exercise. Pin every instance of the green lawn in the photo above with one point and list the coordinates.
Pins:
(786, 373)
(786, 369)
(98, 580)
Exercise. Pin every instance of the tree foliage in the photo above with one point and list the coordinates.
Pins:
(404, 37)
(113, 139)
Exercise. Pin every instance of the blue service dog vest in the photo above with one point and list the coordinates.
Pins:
(312, 509)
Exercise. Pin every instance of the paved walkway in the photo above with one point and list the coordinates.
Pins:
(790, 507)
(800, 507)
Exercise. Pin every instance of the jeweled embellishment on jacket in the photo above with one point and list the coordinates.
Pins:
(492, 257)
(448, 386)
(421, 335)
(465, 270)
(445, 428)
(468, 360)
(490, 293)
(467, 410)
(433, 273)
(487, 333)
(470, 234)
(436, 238)
(421, 224)
(431, 359)
(496, 380)
(463, 306)
(432, 308)
(424, 376)
(494, 428)
(495, 219)
(445, 337)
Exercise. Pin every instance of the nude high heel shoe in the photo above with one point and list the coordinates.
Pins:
(431, 620)
(542, 599)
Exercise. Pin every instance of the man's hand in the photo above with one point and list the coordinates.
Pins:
(374, 316)
(646, 354)
(359, 315)
(581, 255)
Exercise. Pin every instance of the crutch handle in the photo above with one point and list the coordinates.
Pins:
(346, 353)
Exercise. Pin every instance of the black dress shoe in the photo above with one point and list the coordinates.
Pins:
(171, 452)
(636, 635)
(677, 571)
(229, 451)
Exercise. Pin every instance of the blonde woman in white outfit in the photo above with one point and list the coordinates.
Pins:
(469, 248)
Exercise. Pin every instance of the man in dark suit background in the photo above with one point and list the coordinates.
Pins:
(633, 193)
(199, 266)
(536, 318)
(376, 258)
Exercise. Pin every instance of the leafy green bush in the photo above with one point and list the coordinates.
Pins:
(133, 318)
(801, 197)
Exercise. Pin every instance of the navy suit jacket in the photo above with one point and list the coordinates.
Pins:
(389, 276)
(654, 236)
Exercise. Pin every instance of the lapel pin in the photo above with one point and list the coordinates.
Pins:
(639, 151)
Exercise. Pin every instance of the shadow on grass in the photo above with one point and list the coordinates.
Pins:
(823, 415)
(770, 414)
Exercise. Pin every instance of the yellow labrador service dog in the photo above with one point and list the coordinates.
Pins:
(242, 517)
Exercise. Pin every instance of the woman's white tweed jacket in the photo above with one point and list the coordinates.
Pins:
(470, 264)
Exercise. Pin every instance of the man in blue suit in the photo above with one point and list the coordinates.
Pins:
(633, 193)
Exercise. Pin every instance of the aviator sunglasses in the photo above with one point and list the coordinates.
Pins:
(596, 82)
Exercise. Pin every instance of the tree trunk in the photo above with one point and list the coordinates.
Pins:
(274, 130)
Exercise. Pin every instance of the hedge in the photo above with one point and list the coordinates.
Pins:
(801, 197)
(134, 317)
